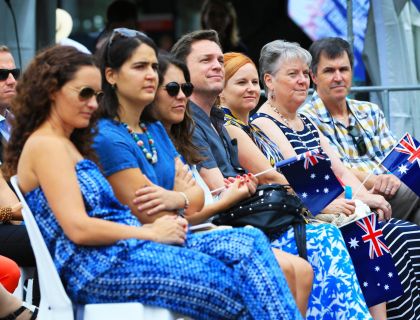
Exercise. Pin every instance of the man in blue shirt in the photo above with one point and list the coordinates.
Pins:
(201, 52)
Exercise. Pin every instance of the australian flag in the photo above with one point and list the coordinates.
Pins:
(372, 261)
(404, 162)
(312, 179)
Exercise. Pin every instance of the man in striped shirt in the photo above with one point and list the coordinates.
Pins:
(356, 129)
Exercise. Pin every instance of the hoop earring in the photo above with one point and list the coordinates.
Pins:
(114, 86)
(272, 95)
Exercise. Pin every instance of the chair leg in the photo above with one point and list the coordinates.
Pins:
(25, 287)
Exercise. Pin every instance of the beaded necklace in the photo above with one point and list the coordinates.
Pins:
(151, 157)
(288, 124)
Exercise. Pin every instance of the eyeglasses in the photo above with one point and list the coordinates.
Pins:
(358, 140)
(173, 88)
(125, 33)
(4, 73)
(86, 93)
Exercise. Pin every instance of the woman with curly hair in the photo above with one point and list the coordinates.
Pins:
(102, 252)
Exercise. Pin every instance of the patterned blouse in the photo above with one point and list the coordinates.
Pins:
(263, 142)
(301, 141)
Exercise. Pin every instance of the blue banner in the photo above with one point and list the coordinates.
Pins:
(328, 18)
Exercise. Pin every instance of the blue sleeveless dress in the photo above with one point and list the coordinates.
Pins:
(226, 274)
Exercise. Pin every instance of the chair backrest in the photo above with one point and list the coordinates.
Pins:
(53, 295)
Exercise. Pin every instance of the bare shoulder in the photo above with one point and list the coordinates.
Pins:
(45, 146)
(42, 153)
(235, 131)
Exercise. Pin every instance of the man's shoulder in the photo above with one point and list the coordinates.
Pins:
(363, 106)
(315, 110)
(198, 114)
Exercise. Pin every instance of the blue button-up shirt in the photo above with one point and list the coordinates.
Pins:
(214, 142)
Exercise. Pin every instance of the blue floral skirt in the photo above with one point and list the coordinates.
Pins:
(336, 293)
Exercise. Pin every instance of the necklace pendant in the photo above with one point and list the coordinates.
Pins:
(151, 156)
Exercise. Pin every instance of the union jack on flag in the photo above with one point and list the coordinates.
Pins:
(373, 236)
(408, 146)
(312, 178)
(311, 157)
(373, 263)
(404, 162)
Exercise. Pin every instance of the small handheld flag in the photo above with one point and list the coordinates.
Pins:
(312, 178)
(375, 268)
(404, 162)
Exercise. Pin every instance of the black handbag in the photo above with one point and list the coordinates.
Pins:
(272, 209)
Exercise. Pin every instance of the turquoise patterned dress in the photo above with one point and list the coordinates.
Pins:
(226, 274)
(336, 293)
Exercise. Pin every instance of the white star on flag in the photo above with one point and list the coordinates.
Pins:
(327, 177)
(304, 194)
(313, 175)
(326, 190)
(365, 284)
(353, 243)
(402, 169)
(386, 287)
(377, 268)
(390, 275)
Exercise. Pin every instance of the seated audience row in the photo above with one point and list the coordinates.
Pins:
(102, 251)
(285, 69)
(119, 233)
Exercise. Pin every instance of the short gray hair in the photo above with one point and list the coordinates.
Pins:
(274, 53)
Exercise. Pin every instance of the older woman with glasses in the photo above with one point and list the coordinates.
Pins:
(225, 274)
(284, 67)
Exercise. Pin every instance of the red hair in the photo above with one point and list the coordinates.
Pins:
(233, 62)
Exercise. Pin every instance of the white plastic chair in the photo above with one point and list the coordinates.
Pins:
(22, 291)
(55, 303)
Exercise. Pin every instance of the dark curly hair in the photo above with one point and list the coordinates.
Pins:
(47, 73)
(180, 133)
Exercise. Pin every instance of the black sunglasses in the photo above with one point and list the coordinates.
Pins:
(125, 33)
(173, 88)
(4, 73)
(358, 141)
(86, 93)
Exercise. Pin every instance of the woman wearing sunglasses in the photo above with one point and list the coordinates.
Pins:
(224, 274)
(171, 108)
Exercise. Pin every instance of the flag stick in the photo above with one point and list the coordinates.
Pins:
(255, 175)
(278, 164)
